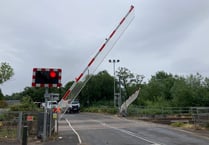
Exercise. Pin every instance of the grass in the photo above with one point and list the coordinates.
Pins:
(101, 109)
(188, 126)
(8, 132)
(177, 124)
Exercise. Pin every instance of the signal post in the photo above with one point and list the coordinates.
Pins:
(47, 78)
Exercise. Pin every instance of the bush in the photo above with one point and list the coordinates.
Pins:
(3, 104)
(101, 109)
(2, 117)
(24, 107)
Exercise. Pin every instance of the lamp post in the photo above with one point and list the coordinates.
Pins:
(114, 61)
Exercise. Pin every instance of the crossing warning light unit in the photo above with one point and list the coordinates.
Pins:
(46, 77)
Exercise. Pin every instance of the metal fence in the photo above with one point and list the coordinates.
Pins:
(12, 123)
(200, 116)
(195, 115)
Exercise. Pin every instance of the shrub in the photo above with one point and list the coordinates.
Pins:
(101, 109)
(3, 104)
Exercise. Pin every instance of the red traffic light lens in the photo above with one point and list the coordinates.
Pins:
(52, 74)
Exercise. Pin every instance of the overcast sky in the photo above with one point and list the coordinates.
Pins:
(168, 35)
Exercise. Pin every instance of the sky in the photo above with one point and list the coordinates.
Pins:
(165, 35)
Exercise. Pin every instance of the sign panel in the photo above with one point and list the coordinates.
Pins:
(29, 118)
(46, 77)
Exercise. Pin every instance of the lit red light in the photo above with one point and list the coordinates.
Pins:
(52, 74)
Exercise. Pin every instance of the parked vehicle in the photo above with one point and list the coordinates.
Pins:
(73, 107)
(50, 104)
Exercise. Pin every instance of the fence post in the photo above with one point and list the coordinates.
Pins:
(50, 123)
(25, 135)
(19, 126)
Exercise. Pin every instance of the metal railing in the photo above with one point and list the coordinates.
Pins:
(195, 115)
(200, 116)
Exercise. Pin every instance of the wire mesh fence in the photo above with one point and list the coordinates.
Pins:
(12, 123)
(9, 125)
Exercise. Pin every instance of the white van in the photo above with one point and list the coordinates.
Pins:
(50, 104)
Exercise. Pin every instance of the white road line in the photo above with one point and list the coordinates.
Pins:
(79, 138)
(127, 132)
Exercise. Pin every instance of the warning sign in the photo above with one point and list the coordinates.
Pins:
(54, 115)
(29, 118)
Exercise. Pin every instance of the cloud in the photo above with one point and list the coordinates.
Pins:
(165, 35)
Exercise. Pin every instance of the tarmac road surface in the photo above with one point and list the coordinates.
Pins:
(98, 129)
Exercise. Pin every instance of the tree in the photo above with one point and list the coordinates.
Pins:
(158, 88)
(3, 103)
(163, 82)
(6, 72)
(129, 81)
(36, 94)
(1, 95)
(99, 88)
(182, 94)
(27, 104)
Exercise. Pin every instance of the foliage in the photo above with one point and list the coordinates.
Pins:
(99, 87)
(162, 90)
(27, 104)
(6, 72)
(36, 94)
(3, 104)
(158, 102)
(128, 81)
(176, 91)
(8, 133)
(101, 109)
(177, 124)
(1, 95)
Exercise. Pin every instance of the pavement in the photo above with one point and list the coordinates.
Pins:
(65, 136)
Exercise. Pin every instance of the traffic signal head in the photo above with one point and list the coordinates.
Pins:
(46, 77)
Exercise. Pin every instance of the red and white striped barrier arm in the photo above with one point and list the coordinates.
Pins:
(97, 54)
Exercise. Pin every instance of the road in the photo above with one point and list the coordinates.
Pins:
(98, 129)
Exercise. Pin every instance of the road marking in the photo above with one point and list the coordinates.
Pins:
(127, 132)
(79, 138)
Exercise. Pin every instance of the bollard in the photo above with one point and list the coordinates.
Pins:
(25, 135)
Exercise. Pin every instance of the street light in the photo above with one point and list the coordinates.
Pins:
(114, 61)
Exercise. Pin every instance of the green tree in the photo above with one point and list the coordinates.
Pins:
(1, 95)
(181, 94)
(129, 82)
(167, 90)
(198, 89)
(27, 104)
(99, 88)
(126, 79)
(3, 103)
(6, 72)
(158, 88)
(36, 94)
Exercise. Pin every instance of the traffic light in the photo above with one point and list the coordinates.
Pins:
(46, 77)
